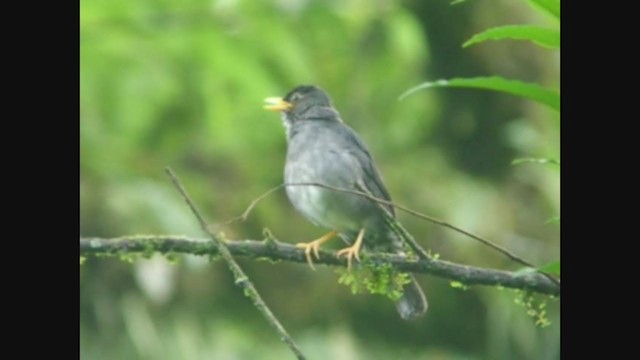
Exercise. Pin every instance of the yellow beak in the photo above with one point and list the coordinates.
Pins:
(277, 104)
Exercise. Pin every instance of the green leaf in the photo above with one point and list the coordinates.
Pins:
(548, 38)
(535, 160)
(552, 267)
(550, 6)
(530, 91)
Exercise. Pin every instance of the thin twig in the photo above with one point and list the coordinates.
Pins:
(422, 216)
(406, 236)
(413, 244)
(146, 245)
(491, 244)
(396, 227)
(240, 278)
(255, 202)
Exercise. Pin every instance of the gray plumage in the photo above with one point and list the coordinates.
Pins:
(322, 149)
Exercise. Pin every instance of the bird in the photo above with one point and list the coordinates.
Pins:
(325, 154)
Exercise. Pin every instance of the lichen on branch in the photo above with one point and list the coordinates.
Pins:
(145, 245)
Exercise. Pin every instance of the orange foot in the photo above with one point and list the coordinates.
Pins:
(315, 246)
(354, 250)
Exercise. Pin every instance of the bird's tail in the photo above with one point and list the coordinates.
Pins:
(413, 303)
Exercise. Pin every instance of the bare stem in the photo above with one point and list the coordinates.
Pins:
(240, 278)
(408, 238)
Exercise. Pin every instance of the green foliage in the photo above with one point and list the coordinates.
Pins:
(530, 91)
(129, 257)
(552, 267)
(458, 285)
(375, 279)
(536, 309)
(172, 258)
(549, 38)
(550, 6)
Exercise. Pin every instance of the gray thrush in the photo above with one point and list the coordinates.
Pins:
(322, 149)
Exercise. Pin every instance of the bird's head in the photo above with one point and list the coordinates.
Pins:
(304, 102)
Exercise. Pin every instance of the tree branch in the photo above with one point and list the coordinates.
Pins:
(275, 250)
(491, 244)
(397, 227)
(240, 278)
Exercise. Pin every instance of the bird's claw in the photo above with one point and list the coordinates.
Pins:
(352, 251)
(314, 246)
(309, 247)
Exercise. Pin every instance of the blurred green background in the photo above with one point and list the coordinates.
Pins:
(181, 84)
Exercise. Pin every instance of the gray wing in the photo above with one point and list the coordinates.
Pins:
(372, 181)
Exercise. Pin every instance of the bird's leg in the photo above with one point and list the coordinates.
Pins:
(354, 250)
(315, 246)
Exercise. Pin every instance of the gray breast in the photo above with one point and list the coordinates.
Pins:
(314, 157)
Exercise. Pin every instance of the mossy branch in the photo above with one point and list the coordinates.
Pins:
(276, 250)
(397, 227)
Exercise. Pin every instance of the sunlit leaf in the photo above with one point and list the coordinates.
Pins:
(550, 6)
(552, 267)
(530, 91)
(548, 38)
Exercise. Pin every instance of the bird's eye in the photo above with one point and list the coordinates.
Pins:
(295, 97)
